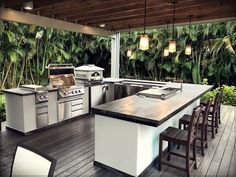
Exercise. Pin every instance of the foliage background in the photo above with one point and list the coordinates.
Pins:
(26, 50)
(213, 55)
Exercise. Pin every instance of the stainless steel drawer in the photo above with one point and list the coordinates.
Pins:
(76, 102)
(77, 107)
(41, 110)
(77, 113)
(42, 120)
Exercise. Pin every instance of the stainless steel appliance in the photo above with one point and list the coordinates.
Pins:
(70, 96)
(89, 73)
(131, 87)
(91, 76)
(41, 104)
(159, 93)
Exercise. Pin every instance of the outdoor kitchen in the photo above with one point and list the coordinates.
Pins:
(117, 88)
(72, 92)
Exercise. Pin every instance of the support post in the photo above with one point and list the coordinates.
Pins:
(115, 55)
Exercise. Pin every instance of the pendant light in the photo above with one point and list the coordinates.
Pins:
(144, 38)
(129, 51)
(188, 47)
(166, 49)
(172, 43)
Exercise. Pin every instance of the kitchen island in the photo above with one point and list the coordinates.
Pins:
(127, 130)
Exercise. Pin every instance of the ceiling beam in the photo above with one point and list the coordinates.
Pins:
(136, 7)
(21, 17)
(152, 12)
(155, 23)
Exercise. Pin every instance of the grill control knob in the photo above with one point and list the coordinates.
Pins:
(79, 91)
(72, 92)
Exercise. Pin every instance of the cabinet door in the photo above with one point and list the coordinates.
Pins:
(110, 92)
(97, 95)
(86, 100)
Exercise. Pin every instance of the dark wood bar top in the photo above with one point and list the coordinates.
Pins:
(151, 111)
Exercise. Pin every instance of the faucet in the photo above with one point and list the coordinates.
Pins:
(181, 87)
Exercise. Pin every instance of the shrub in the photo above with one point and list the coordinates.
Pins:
(229, 96)
(2, 108)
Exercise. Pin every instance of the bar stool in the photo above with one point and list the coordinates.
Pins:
(202, 125)
(212, 116)
(30, 162)
(183, 137)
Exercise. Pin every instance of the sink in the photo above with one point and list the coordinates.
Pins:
(159, 93)
(171, 89)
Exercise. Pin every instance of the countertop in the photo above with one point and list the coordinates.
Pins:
(151, 111)
(24, 92)
(19, 91)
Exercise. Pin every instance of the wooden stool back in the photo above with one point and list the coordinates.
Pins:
(193, 126)
(206, 112)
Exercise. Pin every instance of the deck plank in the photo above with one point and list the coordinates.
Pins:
(72, 144)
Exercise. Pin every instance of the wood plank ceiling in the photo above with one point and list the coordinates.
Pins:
(124, 14)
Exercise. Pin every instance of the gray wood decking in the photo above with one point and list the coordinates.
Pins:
(72, 144)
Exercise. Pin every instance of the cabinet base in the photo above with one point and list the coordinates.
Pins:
(47, 127)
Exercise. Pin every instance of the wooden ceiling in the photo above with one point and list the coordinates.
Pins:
(124, 14)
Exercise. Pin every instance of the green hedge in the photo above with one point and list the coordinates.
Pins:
(229, 96)
(2, 108)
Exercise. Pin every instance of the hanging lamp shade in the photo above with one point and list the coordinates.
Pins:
(129, 52)
(144, 42)
(172, 46)
(144, 38)
(166, 52)
(172, 43)
(188, 49)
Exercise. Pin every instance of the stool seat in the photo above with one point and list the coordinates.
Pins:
(175, 135)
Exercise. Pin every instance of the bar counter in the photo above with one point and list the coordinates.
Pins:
(127, 130)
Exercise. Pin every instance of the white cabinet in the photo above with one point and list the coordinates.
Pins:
(20, 112)
(102, 94)
(97, 94)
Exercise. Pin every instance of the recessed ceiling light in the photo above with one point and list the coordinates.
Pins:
(102, 25)
(28, 5)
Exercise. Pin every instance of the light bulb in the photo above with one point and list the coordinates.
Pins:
(28, 5)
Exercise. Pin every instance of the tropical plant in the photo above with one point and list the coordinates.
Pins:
(2, 108)
(26, 50)
(229, 96)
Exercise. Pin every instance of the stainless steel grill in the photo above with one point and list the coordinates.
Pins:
(62, 77)
(70, 96)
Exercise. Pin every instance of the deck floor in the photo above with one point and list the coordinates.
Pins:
(72, 144)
